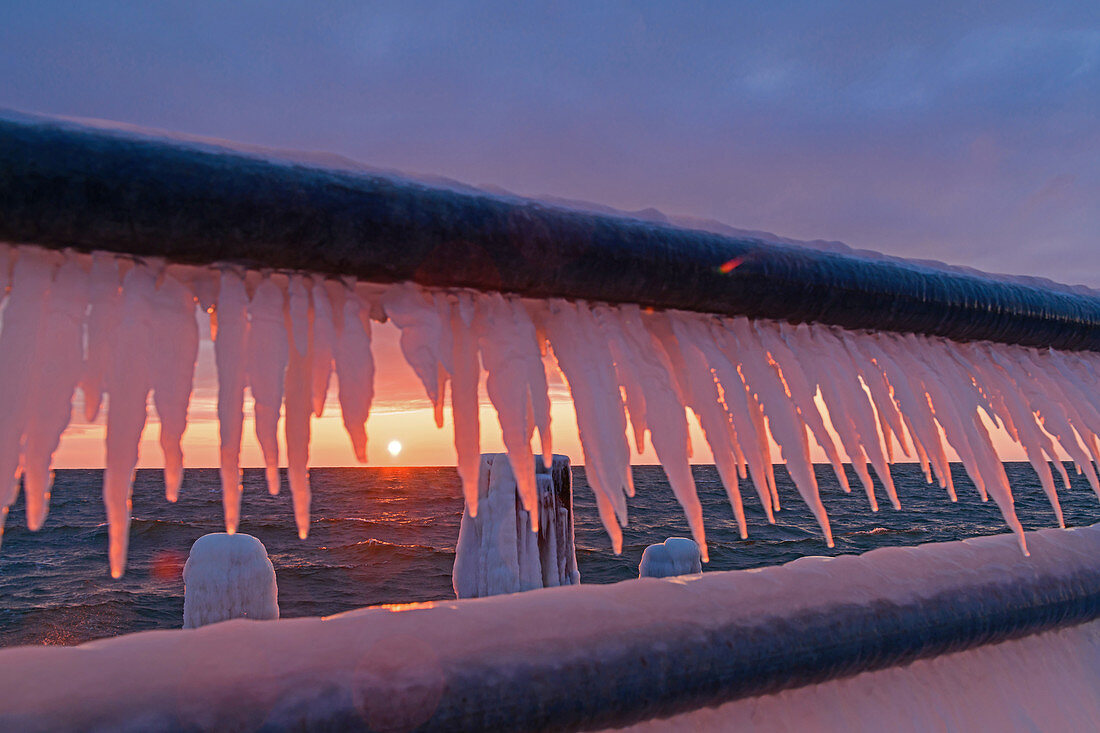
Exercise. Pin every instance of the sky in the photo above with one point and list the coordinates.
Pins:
(967, 132)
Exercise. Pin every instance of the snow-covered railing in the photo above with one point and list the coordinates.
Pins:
(585, 657)
(67, 185)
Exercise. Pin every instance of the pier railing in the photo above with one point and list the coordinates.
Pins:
(67, 185)
(571, 657)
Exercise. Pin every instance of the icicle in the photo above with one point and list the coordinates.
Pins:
(266, 364)
(423, 341)
(614, 450)
(857, 402)
(297, 317)
(740, 407)
(801, 393)
(665, 413)
(464, 397)
(22, 321)
(575, 332)
(1019, 420)
(537, 388)
(1075, 406)
(943, 406)
(757, 412)
(298, 403)
(633, 396)
(444, 349)
(913, 403)
(1051, 413)
(583, 356)
(613, 435)
(679, 336)
(962, 382)
(354, 366)
(1075, 382)
(1077, 372)
(786, 425)
(516, 383)
(230, 349)
(128, 385)
(890, 419)
(106, 311)
(54, 376)
(822, 364)
(174, 350)
(955, 402)
(324, 340)
(632, 391)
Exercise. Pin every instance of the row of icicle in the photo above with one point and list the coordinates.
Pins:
(122, 329)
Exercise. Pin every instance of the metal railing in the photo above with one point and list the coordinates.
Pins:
(67, 185)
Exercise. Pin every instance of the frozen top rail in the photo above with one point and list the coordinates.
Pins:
(65, 185)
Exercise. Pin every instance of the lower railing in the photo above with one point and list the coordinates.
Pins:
(570, 657)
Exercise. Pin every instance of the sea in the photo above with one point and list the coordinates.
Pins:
(387, 535)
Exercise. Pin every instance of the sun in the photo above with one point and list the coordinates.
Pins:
(394, 447)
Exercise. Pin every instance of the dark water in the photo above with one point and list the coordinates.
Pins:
(388, 536)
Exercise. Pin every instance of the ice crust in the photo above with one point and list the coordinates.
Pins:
(228, 576)
(675, 556)
(505, 548)
(128, 330)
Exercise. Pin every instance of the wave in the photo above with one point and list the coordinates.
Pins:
(170, 530)
(885, 530)
(391, 520)
(374, 548)
(97, 618)
(382, 544)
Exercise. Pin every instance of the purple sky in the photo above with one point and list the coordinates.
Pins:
(950, 132)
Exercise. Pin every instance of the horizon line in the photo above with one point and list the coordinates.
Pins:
(451, 465)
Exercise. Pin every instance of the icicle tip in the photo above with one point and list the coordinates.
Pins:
(272, 476)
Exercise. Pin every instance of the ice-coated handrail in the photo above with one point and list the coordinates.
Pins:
(64, 184)
(567, 658)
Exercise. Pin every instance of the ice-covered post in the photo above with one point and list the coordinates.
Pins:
(497, 551)
(675, 556)
(228, 576)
